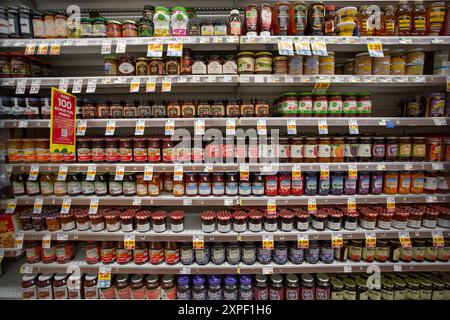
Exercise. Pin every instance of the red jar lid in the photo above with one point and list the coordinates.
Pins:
(96, 216)
(255, 214)
(300, 213)
(223, 215)
(320, 214)
(208, 215)
(129, 214)
(270, 215)
(142, 215)
(79, 213)
(154, 139)
(369, 213)
(352, 214)
(52, 216)
(286, 214)
(177, 215)
(240, 215)
(140, 139)
(159, 215)
(386, 214)
(335, 213)
(111, 214)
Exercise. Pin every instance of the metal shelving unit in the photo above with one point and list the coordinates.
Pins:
(170, 200)
(241, 122)
(234, 167)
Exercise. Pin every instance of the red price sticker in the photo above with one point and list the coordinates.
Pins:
(129, 241)
(324, 172)
(296, 172)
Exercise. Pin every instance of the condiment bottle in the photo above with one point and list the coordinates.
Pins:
(419, 24)
(403, 18)
(234, 23)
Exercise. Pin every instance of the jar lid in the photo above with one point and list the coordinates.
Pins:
(111, 214)
(223, 215)
(198, 280)
(96, 216)
(60, 276)
(401, 213)
(129, 22)
(183, 280)
(245, 53)
(300, 213)
(137, 278)
(128, 214)
(361, 282)
(276, 278)
(336, 213)
(361, 54)
(255, 214)
(263, 53)
(143, 59)
(45, 277)
(208, 215)
(322, 277)
(159, 215)
(245, 280)
(213, 280)
(307, 278)
(240, 215)
(349, 283)
(336, 283)
(177, 215)
(152, 278)
(29, 277)
(286, 214)
(320, 214)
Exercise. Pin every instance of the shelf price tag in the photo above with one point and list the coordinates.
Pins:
(296, 172)
(29, 49)
(63, 84)
(291, 126)
(22, 124)
(169, 127)
(150, 85)
(174, 49)
(351, 204)
(404, 238)
(121, 46)
(2, 254)
(187, 202)
(19, 241)
(231, 127)
(67, 201)
(91, 171)
(46, 240)
(155, 50)
(120, 171)
(324, 172)
(323, 126)
(431, 199)
(319, 48)
(321, 86)
(285, 48)
(228, 202)
(408, 166)
(148, 172)
(37, 207)
(104, 277)
(437, 166)
(35, 86)
(140, 127)
(439, 121)
(185, 270)
(93, 205)
(106, 47)
(62, 236)
(166, 85)
(208, 168)
(129, 241)
(198, 241)
(62, 172)
(110, 127)
(353, 126)
(91, 85)
(244, 172)
(178, 173)
(352, 172)
(81, 127)
(55, 49)
(137, 202)
(271, 206)
(438, 238)
(267, 270)
(20, 86)
(371, 239)
(390, 204)
(302, 48)
(199, 127)
(302, 241)
(381, 167)
(134, 85)
(77, 85)
(34, 171)
(336, 240)
(11, 206)
(312, 205)
(42, 49)
(267, 242)
(347, 269)
(261, 127)
(375, 49)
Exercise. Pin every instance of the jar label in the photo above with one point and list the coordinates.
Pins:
(335, 107)
(177, 227)
(364, 150)
(384, 224)
(113, 226)
(254, 227)
(60, 293)
(87, 187)
(143, 227)
(153, 294)
(430, 183)
(45, 293)
(310, 151)
(305, 107)
(214, 67)
(154, 154)
(141, 189)
(224, 227)
(32, 187)
(74, 187)
(82, 226)
(153, 189)
(229, 67)
(140, 255)
(324, 151)
(318, 225)
(126, 68)
(350, 225)
(115, 188)
(159, 227)
(218, 188)
(199, 67)
(156, 255)
(307, 294)
(208, 228)
(19, 188)
(100, 188)
(429, 223)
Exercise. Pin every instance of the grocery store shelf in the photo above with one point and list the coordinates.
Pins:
(170, 200)
(123, 82)
(241, 122)
(193, 228)
(234, 167)
(11, 252)
(343, 267)
(10, 280)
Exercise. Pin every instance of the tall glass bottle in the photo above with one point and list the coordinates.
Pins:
(419, 23)
(388, 21)
(436, 17)
(403, 18)
(280, 18)
(316, 18)
(364, 27)
(297, 18)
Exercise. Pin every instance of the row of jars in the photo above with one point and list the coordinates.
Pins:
(248, 253)
(24, 108)
(233, 184)
(18, 65)
(296, 149)
(320, 286)
(111, 220)
(436, 104)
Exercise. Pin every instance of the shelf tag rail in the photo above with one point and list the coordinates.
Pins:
(81, 127)
(91, 171)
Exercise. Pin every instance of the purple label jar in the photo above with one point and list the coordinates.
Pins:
(296, 255)
(350, 185)
(264, 256)
(378, 149)
(276, 293)
(322, 293)
(292, 293)
(307, 293)
(310, 183)
(337, 183)
(324, 186)
(280, 254)
(363, 183)
(376, 183)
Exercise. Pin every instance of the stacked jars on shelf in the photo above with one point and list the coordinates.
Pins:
(241, 219)
(232, 184)
(296, 149)
(320, 286)
(18, 65)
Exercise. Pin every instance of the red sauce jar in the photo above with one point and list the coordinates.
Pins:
(113, 29)
(140, 253)
(65, 251)
(92, 252)
(111, 150)
(400, 219)
(125, 150)
(271, 185)
(155, 252)
(284, 188)
(107, 252)
(385, 220)
(168, 150)
(84, 151)
(140, 149)
(154, 150)
(98, 150)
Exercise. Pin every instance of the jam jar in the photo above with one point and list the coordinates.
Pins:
(208, 221)
(176, 221)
